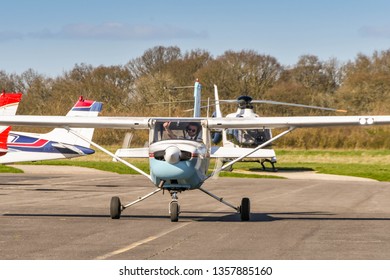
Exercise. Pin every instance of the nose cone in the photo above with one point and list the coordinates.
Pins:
(172, 155)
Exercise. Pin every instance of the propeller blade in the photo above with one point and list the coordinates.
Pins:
(217, 168)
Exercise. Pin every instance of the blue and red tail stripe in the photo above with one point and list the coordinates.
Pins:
(10, 98)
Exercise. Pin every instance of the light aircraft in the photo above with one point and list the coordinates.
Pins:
(56, 144)
(8, 105)
(178, 165)
(228, 150)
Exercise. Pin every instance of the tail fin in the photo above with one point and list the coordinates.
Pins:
(4, 131)
(197, 98)
(9, 103)
(218, 113)
(221, 135)
(82, 108)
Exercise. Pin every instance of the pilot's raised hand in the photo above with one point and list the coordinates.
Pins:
(169, 132)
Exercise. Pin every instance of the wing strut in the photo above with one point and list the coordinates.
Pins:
(220, 199)
(109, 153)
(251, 152)
(141, 198)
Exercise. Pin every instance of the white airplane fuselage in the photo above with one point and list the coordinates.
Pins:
(178, 164)
(32, 147)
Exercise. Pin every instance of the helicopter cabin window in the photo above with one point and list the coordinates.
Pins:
(177, 130)
(249, 137)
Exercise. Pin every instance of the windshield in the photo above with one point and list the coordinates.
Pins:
(177, 130)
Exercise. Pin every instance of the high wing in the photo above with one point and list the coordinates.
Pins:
(212, 123)
(297, 122)
(76, 122)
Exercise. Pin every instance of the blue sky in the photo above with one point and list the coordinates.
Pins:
(52, 36)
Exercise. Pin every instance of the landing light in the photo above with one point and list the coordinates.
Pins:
(366, 121)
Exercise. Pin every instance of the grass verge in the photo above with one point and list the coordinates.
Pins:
(373, 164)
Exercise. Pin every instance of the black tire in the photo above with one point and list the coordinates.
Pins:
(245, 209)
(115, 208)
(174, 211)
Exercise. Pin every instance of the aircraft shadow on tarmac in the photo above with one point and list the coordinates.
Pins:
(285, 169)
(219, 216)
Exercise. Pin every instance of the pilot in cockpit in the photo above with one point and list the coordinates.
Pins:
(191, 131)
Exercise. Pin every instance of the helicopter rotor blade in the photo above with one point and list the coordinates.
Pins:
(298, 105)
(172, 102)
(278, 103)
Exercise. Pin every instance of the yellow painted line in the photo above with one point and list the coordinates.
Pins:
(139, 243)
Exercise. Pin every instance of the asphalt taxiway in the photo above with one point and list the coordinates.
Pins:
(64, 214)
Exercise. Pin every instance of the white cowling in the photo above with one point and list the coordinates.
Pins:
(172, 154)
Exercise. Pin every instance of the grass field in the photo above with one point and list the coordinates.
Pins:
(374, 164)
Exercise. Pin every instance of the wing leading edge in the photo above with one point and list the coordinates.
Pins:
(77, 122)
(297, 122)
(212, 123)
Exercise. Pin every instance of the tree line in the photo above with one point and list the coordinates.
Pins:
(150, 84)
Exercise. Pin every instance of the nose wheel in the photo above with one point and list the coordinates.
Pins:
(174, 211)
(174, 208)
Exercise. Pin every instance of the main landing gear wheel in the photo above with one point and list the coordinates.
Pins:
(115, 208)
(174, 211)
(245, 209)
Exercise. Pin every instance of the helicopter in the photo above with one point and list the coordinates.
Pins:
(251, 138)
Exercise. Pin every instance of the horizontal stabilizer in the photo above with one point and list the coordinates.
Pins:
(69, 147)
(133, 153)
(230, 152)
(9, 103)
